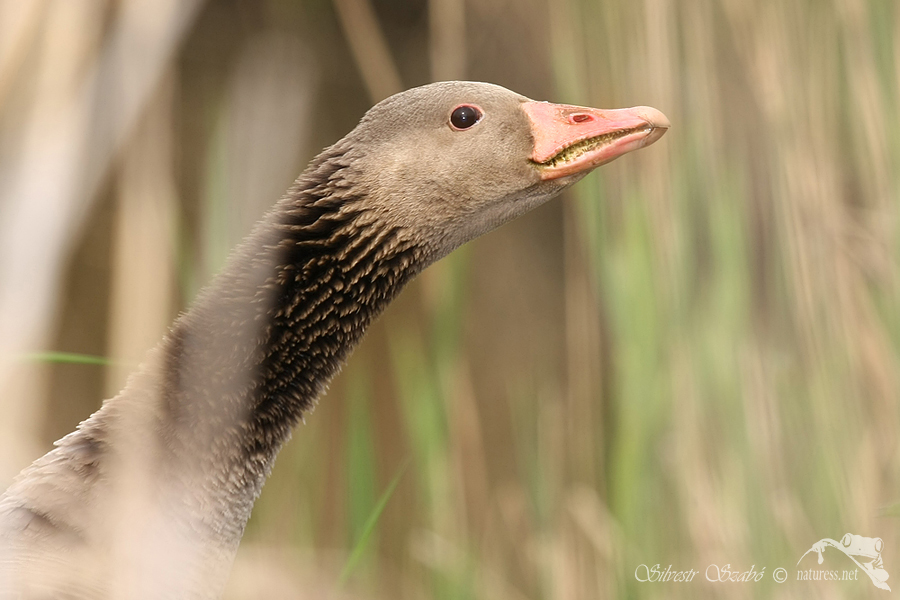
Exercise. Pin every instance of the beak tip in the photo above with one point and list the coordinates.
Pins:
(655, 118)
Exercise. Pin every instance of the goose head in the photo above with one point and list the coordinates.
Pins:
(449, 161)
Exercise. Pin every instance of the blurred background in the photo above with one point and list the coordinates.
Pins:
(689, 359)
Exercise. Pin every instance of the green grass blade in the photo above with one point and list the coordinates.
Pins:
(356, 554)
(70, 358)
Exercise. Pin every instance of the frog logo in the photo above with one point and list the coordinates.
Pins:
(864, 551)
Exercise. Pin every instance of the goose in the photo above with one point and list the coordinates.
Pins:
(149, 496)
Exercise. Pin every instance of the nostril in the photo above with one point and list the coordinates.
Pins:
(581, 118)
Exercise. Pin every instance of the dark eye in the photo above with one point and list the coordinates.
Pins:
(465, 116)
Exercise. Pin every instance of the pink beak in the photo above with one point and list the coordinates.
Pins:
(572, 139)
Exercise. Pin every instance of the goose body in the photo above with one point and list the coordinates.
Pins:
(149, 497)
